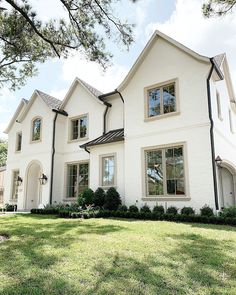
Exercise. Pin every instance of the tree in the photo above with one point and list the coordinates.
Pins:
(25, 40)
(3, 152)
(218, 7)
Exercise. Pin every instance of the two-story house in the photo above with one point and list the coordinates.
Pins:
(165, 135)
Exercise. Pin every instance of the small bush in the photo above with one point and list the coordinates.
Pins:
(229, 212)
(133, 209)
(99, 197)
(86, 197)
(158, 209)
(145, 209)
(206, 211)
(112, 199)
(10, 207)
(122, 208)
(172, 210)
(187, 211)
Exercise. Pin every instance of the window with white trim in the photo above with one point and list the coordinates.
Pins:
(18, 141)
(78, 128)
(77, 179)
(164, 172)
(161, 100)
(218, 105)
(231, 125)
(15, 175)
(36, 129)
(108, 170)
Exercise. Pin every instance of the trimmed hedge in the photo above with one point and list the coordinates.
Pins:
(45, 211)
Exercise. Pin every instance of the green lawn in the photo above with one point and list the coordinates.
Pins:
(46, 255)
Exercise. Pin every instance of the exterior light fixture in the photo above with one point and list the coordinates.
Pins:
(43, 179)
(218, 161)
(19, 180)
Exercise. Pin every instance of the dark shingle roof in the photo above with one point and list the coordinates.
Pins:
(51, 102)
(93, 90)
(109, 137)
(219, 58)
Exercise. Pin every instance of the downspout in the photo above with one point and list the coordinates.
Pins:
(53, 149)
(108, 105)
(212, 135)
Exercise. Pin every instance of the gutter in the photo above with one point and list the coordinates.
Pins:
(213, 66)
(101, 97)
(57, 112)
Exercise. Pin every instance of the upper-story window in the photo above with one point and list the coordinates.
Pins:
(18, 141)
(231, 124)
(36, 129)
(161, 100)
(79, 128)
(218, 105)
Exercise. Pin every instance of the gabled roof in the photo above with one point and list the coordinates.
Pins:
(109, 137)
(219, 59)
(51, 102)
(90, 89)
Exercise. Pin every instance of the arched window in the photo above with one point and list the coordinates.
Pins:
(36, 129)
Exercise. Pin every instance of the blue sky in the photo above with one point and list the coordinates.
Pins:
(180, 19)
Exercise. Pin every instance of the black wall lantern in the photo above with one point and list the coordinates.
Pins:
(19, 180)
(218, 161)
(43, 179)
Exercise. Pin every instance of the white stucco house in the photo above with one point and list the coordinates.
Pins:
(166, 135)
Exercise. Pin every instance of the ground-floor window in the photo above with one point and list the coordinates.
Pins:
(14, 194)
(165, 171)
(108, 170)
(77, 179)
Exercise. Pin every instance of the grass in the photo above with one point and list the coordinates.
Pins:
(46, 255)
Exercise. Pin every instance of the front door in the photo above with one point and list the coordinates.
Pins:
(33, 186)
(227, 188)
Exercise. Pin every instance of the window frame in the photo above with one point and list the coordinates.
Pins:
(165, 196)
(218, 103)
(101, 157)
(77, 163)
(231, 123)
(70, 140)
(174, 81)
(17, 142)
(32, 130)
(14, 186)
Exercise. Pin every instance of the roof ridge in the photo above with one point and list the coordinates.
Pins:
(91, 88)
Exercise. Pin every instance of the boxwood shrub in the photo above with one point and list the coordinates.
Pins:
(133, 208)
(145, 209)
(187, 211)
(158, 209)
(172, 210)
(206, 211)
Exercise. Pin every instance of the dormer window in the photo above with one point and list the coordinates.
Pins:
(36, 129)
(18, 141)
(161, 99)
(78, 128)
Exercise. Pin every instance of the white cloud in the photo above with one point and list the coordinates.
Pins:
(206, 36)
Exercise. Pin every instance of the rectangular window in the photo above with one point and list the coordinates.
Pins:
(77, 179)
(14, 195)
(18, 141)
(218, 105)
(79, 128)
(161, 100)
(231, 125)
(165, 172)
(108, 171)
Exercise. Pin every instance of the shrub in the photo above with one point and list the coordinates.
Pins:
(99, 197)
(206, 211)
(122, 208)
(229, 212)
(86, 197)
(145, 209)
(10, 207)
(112, 199)
(172, 210)
(133, 209)
(158, 209)
(187, 211)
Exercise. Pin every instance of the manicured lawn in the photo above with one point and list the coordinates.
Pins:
(46, 255)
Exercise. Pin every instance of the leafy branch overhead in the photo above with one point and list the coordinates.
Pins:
(218, 7)
(25, 40)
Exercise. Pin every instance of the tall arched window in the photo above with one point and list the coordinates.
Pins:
(36, 129)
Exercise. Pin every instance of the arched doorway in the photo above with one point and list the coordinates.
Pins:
(227, 179)
(33, 188)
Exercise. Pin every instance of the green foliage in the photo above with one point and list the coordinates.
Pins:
(26, 40)
(206, 211)
(10, 207)
(99, 197)
(145, 209)
(187, 211)
(112, 199)
(217, 7)
(158, 209)
(133, 208)
(229, 212)
(172, 210)
(86, 198)
(3, 152)
(122, 208)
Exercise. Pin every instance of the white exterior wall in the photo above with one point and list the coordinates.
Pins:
(165, 62)
(115, 114)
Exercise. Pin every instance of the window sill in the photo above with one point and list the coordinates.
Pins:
(158, 117)
(17, 152)
(107, 186)
(13, 200)
(165, 198)
(77, 140)
(69, 199)
(35, 141)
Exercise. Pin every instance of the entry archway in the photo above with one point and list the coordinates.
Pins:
(33, 187)
(227, 181)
